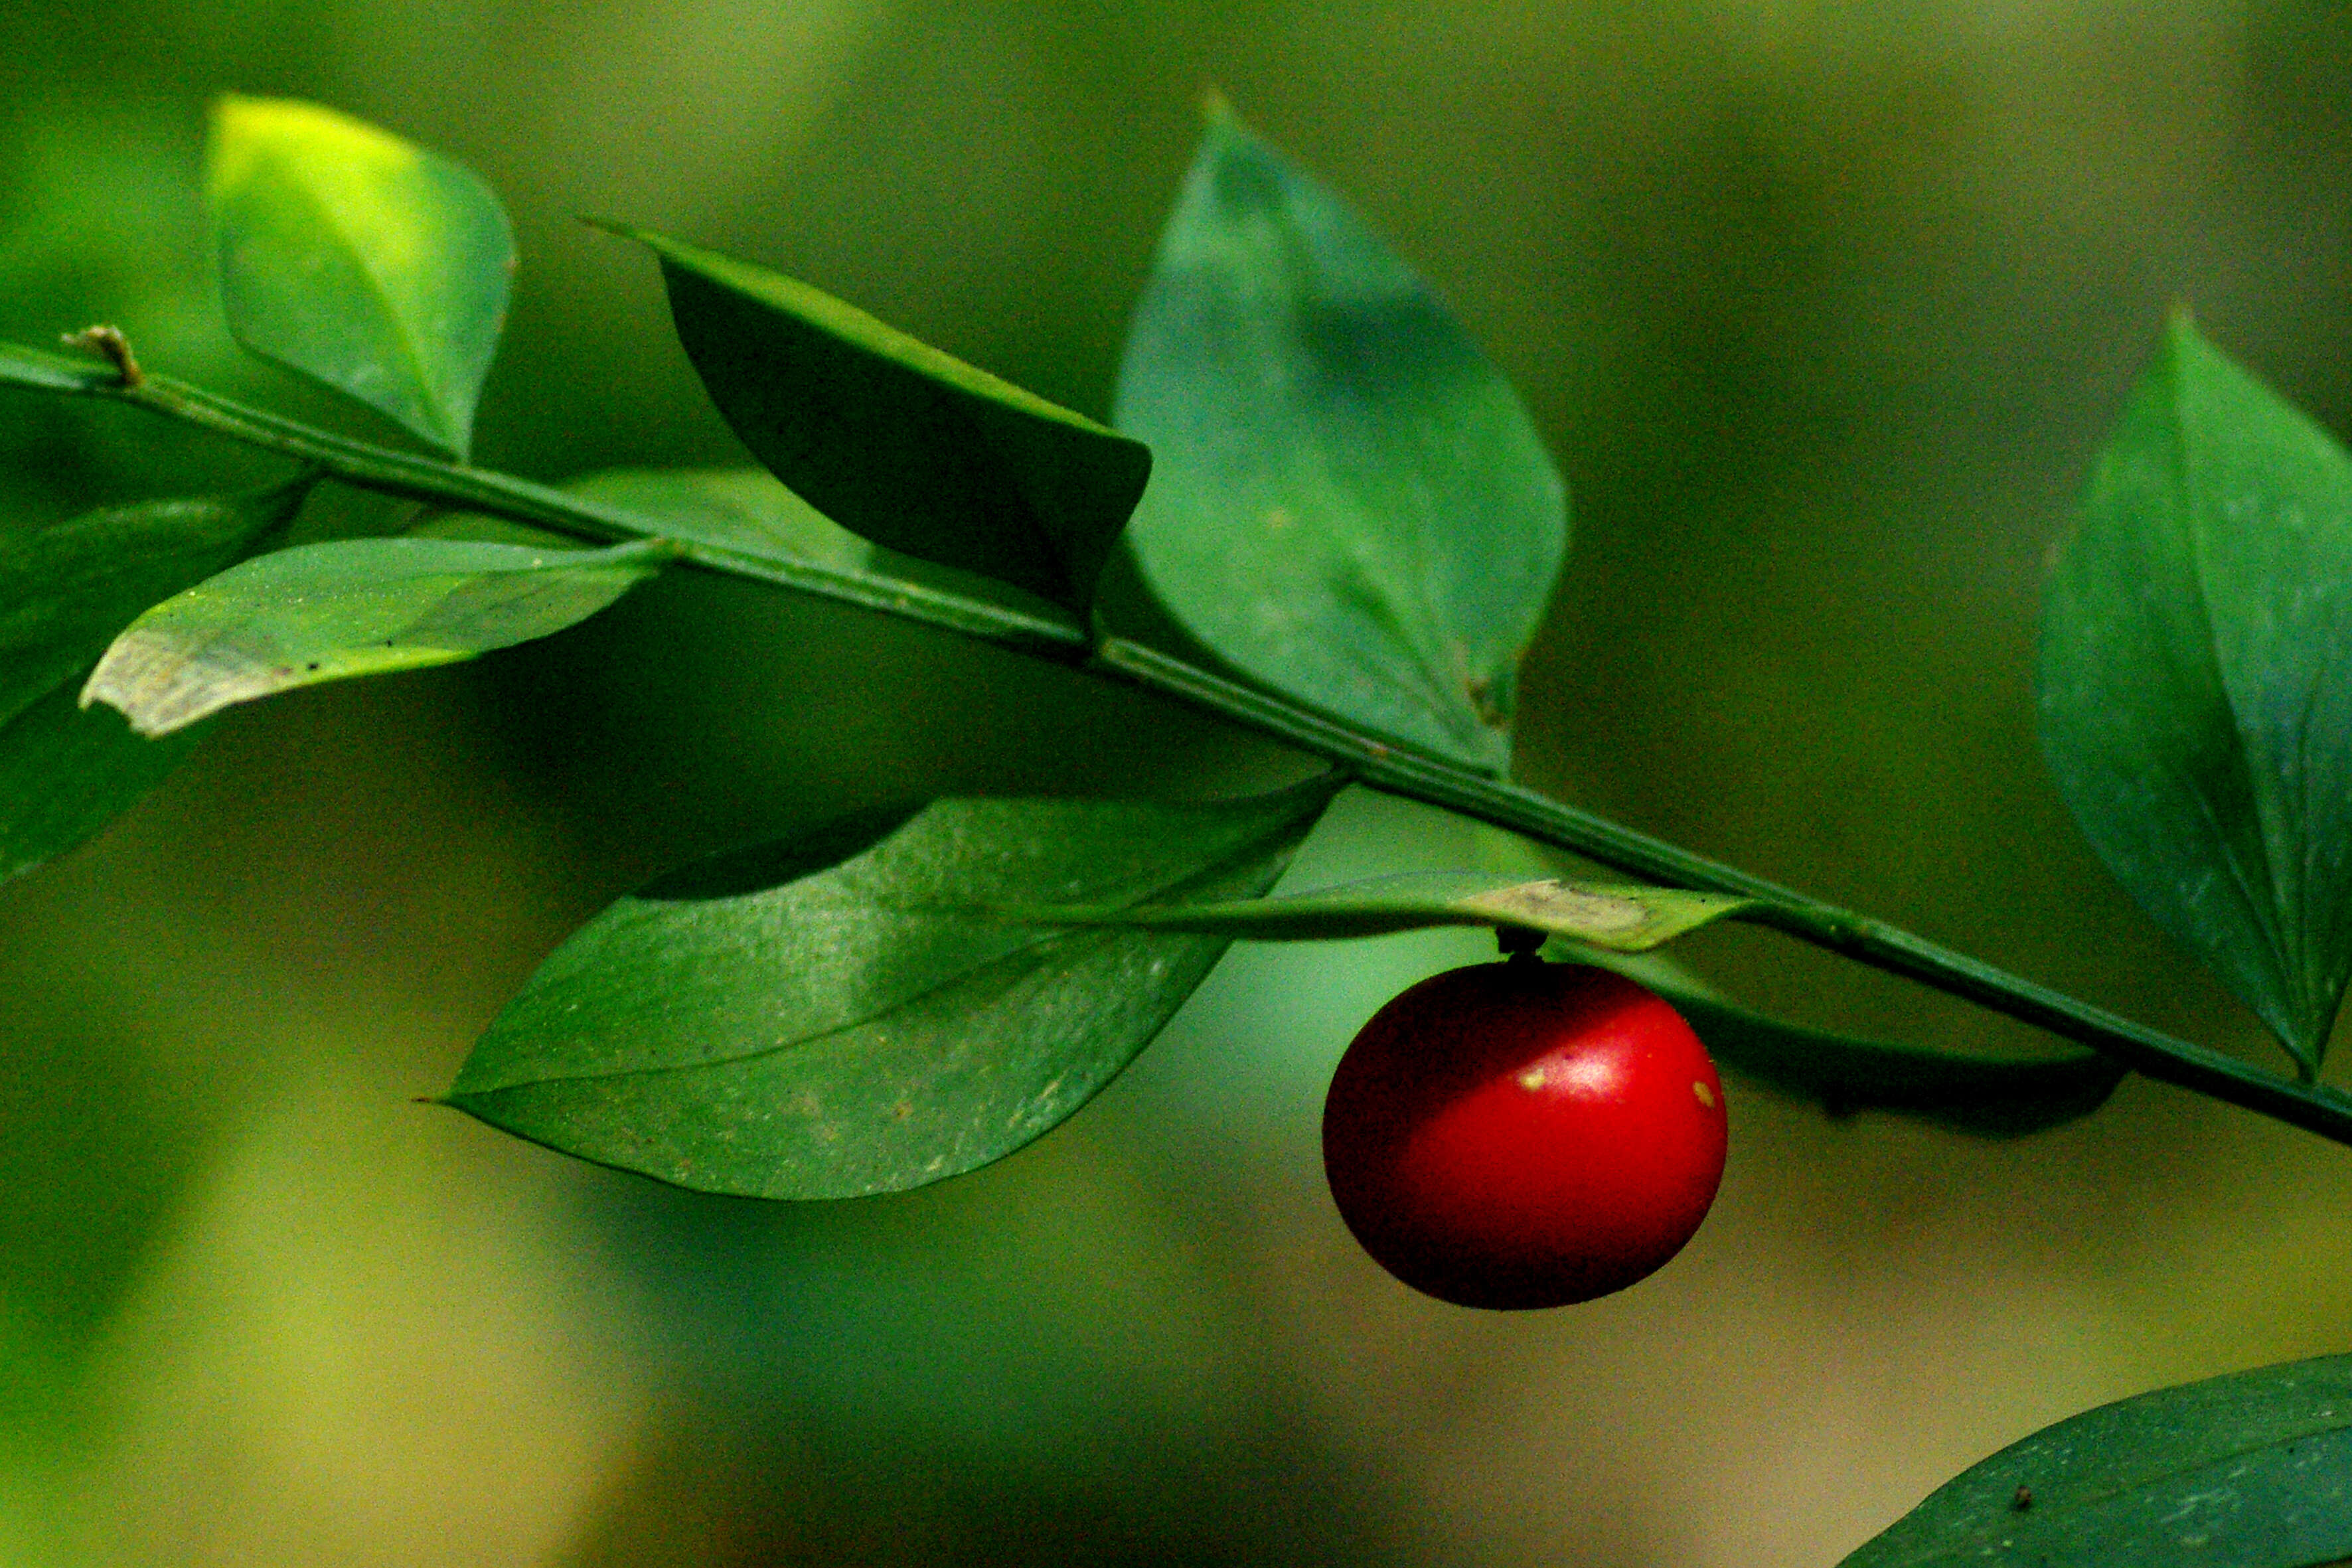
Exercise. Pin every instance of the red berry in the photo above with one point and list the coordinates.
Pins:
(1524, 1134)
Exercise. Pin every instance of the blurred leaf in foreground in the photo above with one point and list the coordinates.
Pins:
(65, 592)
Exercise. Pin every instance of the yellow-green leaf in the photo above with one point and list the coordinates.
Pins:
(357, 258)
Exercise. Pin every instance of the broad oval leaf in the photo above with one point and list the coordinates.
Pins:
(369, 264)
(1350, 505)
(1983, 1094)
(2252, 1471)
(897, 441)
(1624, 919)
(827, 1018)
(351, 608)
(64, 593)
(2195, 700)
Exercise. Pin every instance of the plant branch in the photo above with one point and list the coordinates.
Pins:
(1389, 769)
(413, 478)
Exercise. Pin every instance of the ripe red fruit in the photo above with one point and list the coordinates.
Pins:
(1524, 1134)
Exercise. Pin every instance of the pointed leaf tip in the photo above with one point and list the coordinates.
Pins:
(898, 441)
(825, 1017)
(1350, 505)
(2193, 705)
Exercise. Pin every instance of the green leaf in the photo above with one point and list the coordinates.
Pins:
(2196, 703)
(371, 265)
(353, 607)
(1988, 1095)
(66, 772)
(64, 593)
(2252, 1471)
(897, 441)
(1350, 505)
(33, 370)
(1624, 919)
(827, 1018)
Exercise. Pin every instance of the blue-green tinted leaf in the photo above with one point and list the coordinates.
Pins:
(1621, 918)
(1350, 504)
(2196, 692)
(353, 607)
(1986, 1095)
(371, 265)
(2253, 1470)
(64, 593)
(827, 1018)
(895, 441)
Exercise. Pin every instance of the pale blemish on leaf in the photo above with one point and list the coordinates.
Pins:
(353, 607)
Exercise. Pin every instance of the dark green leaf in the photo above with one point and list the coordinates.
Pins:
(351, 608)
(66, 772)
(64, 593)
(895, 441)
(2248, 1471)
(378, 267)
(828, 1017)
(1623, 919)
(2196, 706)
(1990, 1096)
(1349, 505)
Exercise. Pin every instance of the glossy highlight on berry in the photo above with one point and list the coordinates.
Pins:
(1524, 1134)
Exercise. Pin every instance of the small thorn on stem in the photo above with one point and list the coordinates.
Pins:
(1520, 942)
(110, 344)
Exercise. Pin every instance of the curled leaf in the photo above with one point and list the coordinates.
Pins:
(897, 441)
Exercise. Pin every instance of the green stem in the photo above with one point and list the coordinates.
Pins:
(430, 480)
(1393, 769)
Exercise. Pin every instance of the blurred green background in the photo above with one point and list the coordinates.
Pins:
(1823, 308)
